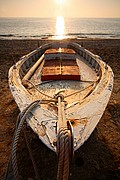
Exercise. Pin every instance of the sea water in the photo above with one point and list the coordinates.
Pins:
(59, 27)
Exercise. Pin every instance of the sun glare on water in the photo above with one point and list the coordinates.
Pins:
(60, 22)
(60, 27)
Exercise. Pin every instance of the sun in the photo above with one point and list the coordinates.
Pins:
(60, 1)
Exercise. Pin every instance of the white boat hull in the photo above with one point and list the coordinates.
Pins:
(85, 106)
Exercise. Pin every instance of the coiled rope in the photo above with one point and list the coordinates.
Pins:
(17, 133)
(63, 154)
(13, 156)
(64, 142)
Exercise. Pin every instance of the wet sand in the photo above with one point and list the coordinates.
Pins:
(99, 157)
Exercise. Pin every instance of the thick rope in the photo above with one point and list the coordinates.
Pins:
(16, 138)
(63, 154)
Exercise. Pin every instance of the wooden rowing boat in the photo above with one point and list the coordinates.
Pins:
(73, 86)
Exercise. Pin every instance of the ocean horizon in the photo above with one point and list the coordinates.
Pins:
(59, 28)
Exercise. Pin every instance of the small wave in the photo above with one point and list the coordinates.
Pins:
(87, 34)
(6, 35)
(115, 36)
(67, 35)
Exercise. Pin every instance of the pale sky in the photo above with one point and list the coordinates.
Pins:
(66, 8)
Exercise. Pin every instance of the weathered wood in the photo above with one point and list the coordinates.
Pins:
(61, 53)
(32, 70)
(86, 99)
(60, 70)
(62, 122)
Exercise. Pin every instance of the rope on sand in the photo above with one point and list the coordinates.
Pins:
(13, 156)
(64, 142)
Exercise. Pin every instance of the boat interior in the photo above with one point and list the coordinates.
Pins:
(60, 67)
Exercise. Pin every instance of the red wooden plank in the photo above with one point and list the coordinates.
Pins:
(60, 70)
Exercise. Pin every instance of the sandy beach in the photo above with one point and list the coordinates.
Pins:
(99, 157)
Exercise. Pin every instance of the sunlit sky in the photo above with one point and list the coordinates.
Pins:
(66, 8)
